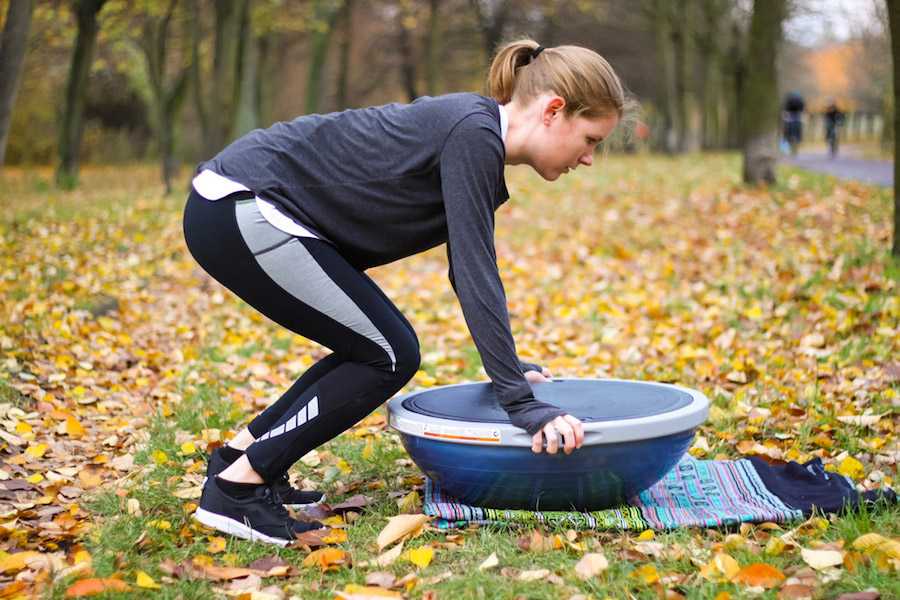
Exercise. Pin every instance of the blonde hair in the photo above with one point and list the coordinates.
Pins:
(580, 76)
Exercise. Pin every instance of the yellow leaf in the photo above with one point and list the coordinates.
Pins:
(188, 448)
(37, 451)
(775, 546)
(646, 535)
(216, 545)
(646, 573)
(334, 521)
(398, 527)
(145, 581)
(159, 457)
(850, 467)
(872, 542)
(73, 427)
(410, 503)
(369, 450)
(353, 591)
(13, 563)
(35, 478)
(335, 536)
(421, 557)
(22, 427)
(344, 466)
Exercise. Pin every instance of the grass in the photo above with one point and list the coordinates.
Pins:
(623, 269)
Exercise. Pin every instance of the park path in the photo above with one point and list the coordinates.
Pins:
(877, 172)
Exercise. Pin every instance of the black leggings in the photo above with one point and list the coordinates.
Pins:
(305, 285)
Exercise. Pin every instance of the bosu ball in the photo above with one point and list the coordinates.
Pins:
(634, 433)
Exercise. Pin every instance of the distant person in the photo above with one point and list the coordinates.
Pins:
(290, 217)
(834, 118)
(792, 118)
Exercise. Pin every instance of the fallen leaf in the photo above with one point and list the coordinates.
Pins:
(216, 544)
(145, 581)
(353, 591)
(398, 527)
(381, 579)
(591, 565)
(489, 563)
(759, 575)
(822, 559)
(873, 542)
(421, 557)
(92, 587)
(13, 563)
(326, 559)
(533, 575)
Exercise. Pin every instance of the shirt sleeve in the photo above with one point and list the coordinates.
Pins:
(471, 167)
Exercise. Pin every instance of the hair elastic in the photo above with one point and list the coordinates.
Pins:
(535, 52)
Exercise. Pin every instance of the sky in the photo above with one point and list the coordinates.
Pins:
(816, 21)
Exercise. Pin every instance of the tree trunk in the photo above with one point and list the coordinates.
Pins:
(76, 87)
(196, 72)
(407, 58)
(492, 16)
(759, 119)
(325, 16)
(225, 94)
(167, 97)
(343, 87)
(246, 110)
(688, 118)
(709, 54)
(12, 56)
(658, 12)
(734, 74)
(894, 18)
(433, 50)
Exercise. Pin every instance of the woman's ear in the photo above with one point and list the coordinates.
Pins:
(552, 107)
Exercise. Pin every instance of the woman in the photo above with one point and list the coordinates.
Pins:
(289, 217)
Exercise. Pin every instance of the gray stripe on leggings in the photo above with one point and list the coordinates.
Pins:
(293, 268)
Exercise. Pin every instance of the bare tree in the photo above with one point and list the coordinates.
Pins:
(12, 56)
(894, 18)
(759, 117)
(72, 122)
(168, 92)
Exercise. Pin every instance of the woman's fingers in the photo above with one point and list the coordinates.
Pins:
(567, 432)
(577, 427)
(552, 438)
(535, 377)
(537, 442)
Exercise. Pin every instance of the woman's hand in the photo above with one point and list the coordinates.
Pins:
(567, 425)
(535, 377)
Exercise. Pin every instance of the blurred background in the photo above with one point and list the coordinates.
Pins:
(111, 81)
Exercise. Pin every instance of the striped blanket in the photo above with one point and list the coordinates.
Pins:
(704, 493)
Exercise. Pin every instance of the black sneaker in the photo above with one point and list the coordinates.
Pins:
(289, 495)
(261, 517)
(292, 497)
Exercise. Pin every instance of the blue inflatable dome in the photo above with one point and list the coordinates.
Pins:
(635, 432)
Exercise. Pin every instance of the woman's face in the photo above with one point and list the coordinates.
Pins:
(565, 143)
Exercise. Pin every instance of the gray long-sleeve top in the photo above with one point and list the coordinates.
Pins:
(386, 182)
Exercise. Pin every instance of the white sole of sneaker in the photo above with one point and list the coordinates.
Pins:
(235, 528)
(299, 506)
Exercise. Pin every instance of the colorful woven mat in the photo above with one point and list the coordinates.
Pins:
(704, 493)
